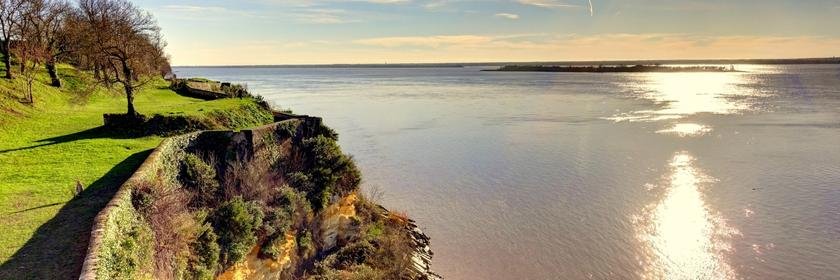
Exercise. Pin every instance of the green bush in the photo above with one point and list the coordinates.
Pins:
(277, 223)
(200, 179)
(142, 197)
(353, 254)
(375, 230)
(128, 260)
(326, 170)
(269, 249)
(205, 255)
(288, 128)
(236, 222)
(358, 272)
(305, 244)
(127, 246)
(236, 90)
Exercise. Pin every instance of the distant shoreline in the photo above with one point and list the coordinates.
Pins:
(781, 61)
(612, 69)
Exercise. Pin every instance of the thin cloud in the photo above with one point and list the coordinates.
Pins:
(552, 4)
(387, 1)
(435, 4)
(548, 3)
(507, 15)
(204, 13)
(426, 41)
(193, 9)
(324, 16)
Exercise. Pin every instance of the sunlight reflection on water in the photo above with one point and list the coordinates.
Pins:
(685, 238)
(683, 94)
(686, 130)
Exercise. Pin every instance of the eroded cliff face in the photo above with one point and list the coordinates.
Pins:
(277, 202)
(339, 223)
(338, 226)
(335, 225)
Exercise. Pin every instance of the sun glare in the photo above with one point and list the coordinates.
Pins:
(685, 238)
(686, 130)
(679, 95)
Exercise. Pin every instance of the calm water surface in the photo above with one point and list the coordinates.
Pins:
(593, 176)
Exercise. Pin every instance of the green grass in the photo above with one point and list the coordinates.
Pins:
(47, 147)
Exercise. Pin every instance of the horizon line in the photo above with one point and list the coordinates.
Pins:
(798, 60)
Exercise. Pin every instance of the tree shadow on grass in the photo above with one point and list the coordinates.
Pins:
(57, 249)
(93, 133)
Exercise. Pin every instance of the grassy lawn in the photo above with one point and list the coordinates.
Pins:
(47, 147)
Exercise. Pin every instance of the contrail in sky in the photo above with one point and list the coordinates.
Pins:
(591, 9)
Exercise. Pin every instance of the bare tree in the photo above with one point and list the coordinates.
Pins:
(126, 41)
(9, 18)
(28, 49)
(47, 19)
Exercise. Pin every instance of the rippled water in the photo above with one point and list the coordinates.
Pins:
(600, 176)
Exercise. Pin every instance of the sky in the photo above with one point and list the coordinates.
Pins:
(273, 32)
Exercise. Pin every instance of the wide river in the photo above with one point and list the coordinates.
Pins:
(592, 176)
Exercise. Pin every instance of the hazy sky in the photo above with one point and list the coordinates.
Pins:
(249, 32)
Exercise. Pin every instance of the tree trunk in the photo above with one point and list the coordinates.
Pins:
(96, 74)
(7, 59)
(129, 89)
(31, 98)
(129, 95)
(56, 82)
(106, 77)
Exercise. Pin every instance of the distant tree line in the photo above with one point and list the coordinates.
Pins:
(119, 42)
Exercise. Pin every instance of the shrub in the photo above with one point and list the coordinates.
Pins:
(288, 128)
(130, 124)
(236, 223)
(296, 205)
(126, 246)
(200, 179)
(326, 131)
(236, 90)
(277, 221)
(358, 272)
(374, 230)
(306, 246)
(269, 249)
(250, 178)
(276, 224)
(142, 197)
(326, 170)
(353, 254)
(204, 255)
(129, 254)
(394, 252)
(349, 177)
